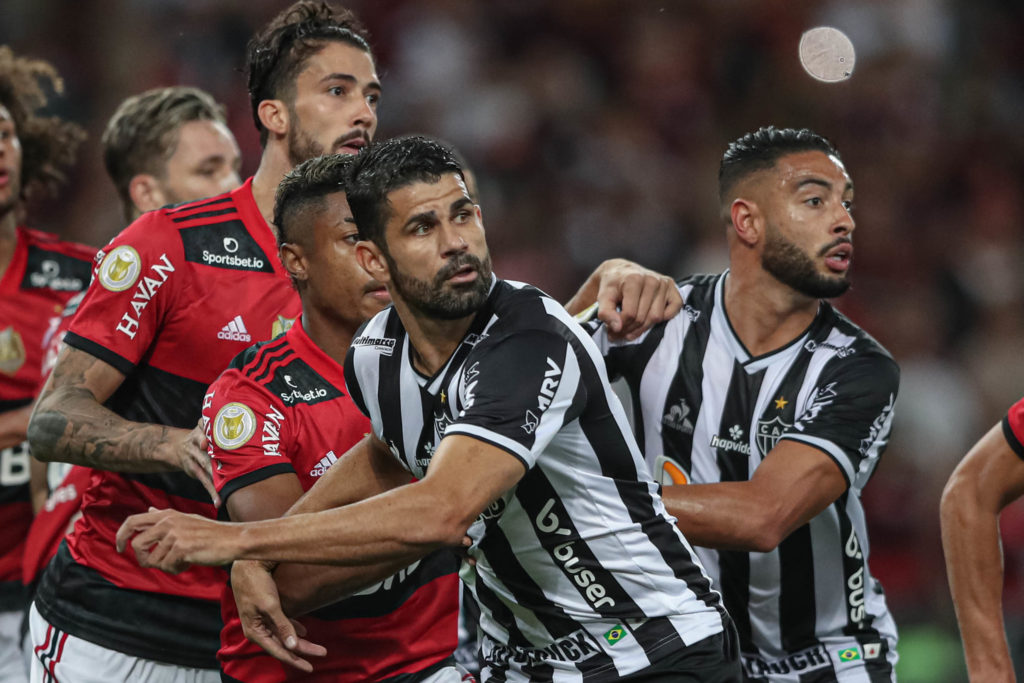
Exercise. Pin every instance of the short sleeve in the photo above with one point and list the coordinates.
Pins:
(132, 289)
(518, 391)
(1013, 427)
(246, 431)
(849, 413)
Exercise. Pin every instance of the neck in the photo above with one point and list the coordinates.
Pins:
(433, 341)
(765, 313)
(274, 164)
(8, 239)
(331, 335)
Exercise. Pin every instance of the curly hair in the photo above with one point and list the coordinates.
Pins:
(49, 144)
(278, 53)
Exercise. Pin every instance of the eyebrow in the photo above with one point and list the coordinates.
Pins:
(349, 78)
(459, 203)
(822, 183)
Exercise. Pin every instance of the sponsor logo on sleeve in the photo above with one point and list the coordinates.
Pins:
(12, 351)
(120, 269)
(876, 427)
(144, 291)
(822, 398)
(272, 431)
(234, 425)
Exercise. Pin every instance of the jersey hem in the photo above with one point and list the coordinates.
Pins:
(1011, 438)
(119, 362)
(250, 478)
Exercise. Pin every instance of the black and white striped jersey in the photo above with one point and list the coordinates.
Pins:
(581, 575)
(706, 411)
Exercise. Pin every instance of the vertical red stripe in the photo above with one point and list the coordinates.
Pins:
(46, 644)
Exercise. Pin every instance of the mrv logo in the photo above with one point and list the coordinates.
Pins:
(547, 388)
(547, 522)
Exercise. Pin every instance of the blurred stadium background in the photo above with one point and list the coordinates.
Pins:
(596, 128)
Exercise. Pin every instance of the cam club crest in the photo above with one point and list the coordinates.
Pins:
(120, 269)
(234, 426)
(12, 351)
(768, 433)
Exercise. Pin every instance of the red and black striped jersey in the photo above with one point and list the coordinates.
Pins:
(282, 408)
(43, 274)
(174, 298)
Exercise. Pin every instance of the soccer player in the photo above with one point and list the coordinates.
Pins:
(38, 275)
(279, 418)
(988, 479)
(776, 409)
(163, 146)
(177, 295)
(494, 397)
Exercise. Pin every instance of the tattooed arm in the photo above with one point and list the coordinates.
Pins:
(70, 424)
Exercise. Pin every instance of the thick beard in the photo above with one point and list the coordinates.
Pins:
(301, 146)
(792, 267)
(437, 299)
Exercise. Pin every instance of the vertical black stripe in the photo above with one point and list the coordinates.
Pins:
(389, 389)
(529, 594)
(797, 613)
(686, 391)
(629, 362)
(734, 463)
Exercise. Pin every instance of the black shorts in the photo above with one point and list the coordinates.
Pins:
(715, 659)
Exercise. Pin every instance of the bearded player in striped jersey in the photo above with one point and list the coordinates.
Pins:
(776, 408)
(489, 392)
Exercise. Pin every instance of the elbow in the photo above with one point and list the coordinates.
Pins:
(447, 528)
(42, 428)
(958, 499)
(764, 537)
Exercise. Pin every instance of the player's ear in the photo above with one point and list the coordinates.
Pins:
(274, 116)
(747, 221)
(293, 258)
(146, 193)
(371, 259)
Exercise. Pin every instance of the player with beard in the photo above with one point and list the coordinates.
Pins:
(177, 295)
(489, 393)
(775, 408)
(39, 273)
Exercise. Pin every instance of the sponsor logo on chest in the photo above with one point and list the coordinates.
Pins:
(733, 443)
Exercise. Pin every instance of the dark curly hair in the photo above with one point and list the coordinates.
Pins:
(760, 150)
(277, 54)
(49, 144)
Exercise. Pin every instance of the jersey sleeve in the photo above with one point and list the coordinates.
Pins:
(133, 289)
(247, 433)
(849, 414)
(1013, 427)
(518, 391)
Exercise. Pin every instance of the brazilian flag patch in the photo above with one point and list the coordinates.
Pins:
(615, 634)
(850, 654)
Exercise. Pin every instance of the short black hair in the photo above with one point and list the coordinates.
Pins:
(386, 166)
(760, 150)
(305, 187)
(278, 53)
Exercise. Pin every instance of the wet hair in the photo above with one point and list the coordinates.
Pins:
(278, 53)
(142, 134)
(49, 144)
(305, 187)
(386, 166)
(761, 149)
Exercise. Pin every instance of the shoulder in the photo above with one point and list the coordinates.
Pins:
(378, 336)
(55, 264)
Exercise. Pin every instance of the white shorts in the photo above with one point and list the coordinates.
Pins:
(59, 657)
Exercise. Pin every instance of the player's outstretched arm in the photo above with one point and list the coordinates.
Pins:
(794, 483)
(401, 525)
(70, 424)
(989, 478)
(630, 298)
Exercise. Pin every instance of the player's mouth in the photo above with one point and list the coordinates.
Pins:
(353, 143)
(838, 258)
(465, 274)
(5, 178)
(376, 290)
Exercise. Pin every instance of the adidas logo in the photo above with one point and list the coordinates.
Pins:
(324, 464)
(235, 331)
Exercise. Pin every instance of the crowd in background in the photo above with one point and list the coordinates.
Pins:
(595, 128)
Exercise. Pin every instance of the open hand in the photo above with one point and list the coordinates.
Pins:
(263, 620)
